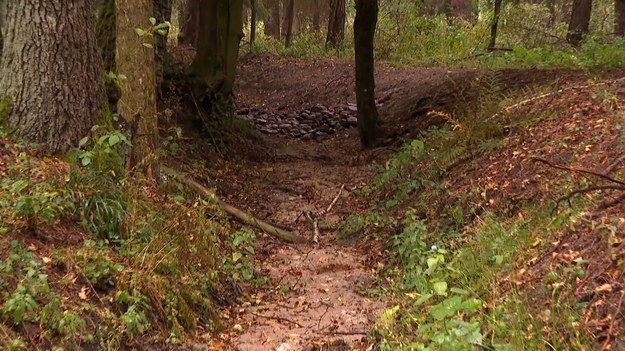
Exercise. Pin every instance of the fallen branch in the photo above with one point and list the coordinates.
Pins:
(243, 217)
(586, 190)
(579, 170)
(618, 309)
(313, 218)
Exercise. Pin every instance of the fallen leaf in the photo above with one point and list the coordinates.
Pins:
(83, 293)
(604, 288)
(46, 259)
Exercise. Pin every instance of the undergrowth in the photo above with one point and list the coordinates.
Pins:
(456, 259)
(95, 258)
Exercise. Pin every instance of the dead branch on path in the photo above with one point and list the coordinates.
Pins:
(240, 215)
(279, 319)
(313, 218)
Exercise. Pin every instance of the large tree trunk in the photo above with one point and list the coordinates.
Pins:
(494, 25)
(619, 17)
(580, 21)
(364, 33)
(336, 24)
(50, 71)
(272, 24)
(190, 23)
(138, 102)
(215, 64)
(290, 17)
(1, 25)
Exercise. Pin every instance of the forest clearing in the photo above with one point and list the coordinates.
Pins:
(346, 175)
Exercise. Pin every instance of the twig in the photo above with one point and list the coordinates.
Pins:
(614, 164)
(324, 313)
(607, 340)
(586, 190)
(279, 319)
(579, 170)
(357, 332)
(313, 218)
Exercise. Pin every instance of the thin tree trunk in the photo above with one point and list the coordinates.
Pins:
(316, 17)
(252, 23)
(50, 71)
(272, 25)
(190, 23)
(494, 24)
(138, 102)
(364, 33)
(619, 17)
(336, 24)
(162, 13)
(551, 7)
(290, 16)
(580, 21)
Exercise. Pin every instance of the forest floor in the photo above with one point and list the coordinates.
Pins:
(317, 297)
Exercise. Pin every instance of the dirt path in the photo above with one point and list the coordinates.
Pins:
(314, 299)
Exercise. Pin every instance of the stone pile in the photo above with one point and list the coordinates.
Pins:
(315, 123)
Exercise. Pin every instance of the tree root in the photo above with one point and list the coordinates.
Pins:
(240, 215)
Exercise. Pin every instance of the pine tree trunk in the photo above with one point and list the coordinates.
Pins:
(50, 71)
(336, 24)
(215, 64)
(619, 17)
(190, 23)
(272, 24)
(580, 21)
(138, 102)
(494, 24)
(290, 17)
(364, 33)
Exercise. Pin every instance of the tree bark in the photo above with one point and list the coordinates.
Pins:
(580, 21)
(364, 33)
(619, 17)
(252, 23)
(215, 64)
(138, 102)
(190, 23)
(336, 24)
(272, 25)
(1, 25)
(50, 71)
(494, 24)
(290, 16)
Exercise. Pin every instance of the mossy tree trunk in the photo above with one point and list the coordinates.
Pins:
(1, 25)
(619, 17)
(162, 13)
(138, 101)
(364, 33)
(214, 67)
(580, 21)
(50, 71)
(336, 24)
